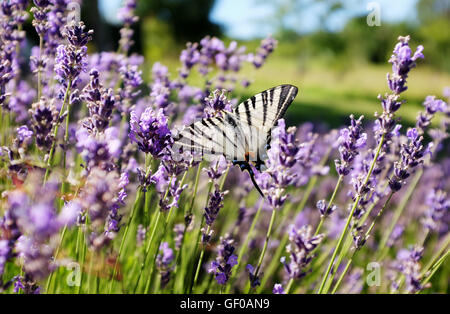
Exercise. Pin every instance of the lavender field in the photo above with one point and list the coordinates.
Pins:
(93, 199)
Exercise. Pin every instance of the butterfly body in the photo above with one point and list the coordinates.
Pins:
(242, 136)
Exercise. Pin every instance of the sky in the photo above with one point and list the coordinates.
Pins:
(245, 19)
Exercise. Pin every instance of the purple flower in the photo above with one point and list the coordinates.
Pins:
(216, 103)
(128, 17)
(21, 101)
(24, 134)
(214, 206)
(438, 207)
(140, 235)
(302, 244)
(100, 101)
(408, 263)
(278, 289)
(190, 56)
(217, 168)
(71, 59)
(432, 106)
(221, 268)
(102, 196)
(12, 16)
(100, 149)
(179, 230)
(402, 62)
(351, 140)
(324, 209)
(44, 116)
(266, 48)
(411, 156)
(40, 21)
(254, 279)
(163, 262)
(150, 131)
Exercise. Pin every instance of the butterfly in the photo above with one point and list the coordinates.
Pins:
(243, 135)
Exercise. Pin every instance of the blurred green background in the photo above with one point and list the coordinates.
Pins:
(326, 47)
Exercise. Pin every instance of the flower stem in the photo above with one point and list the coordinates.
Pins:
(136, 205)
(330, 203)
(350, 216)
(382, 249)
(55, 133)
(266, 242)
(245, 246)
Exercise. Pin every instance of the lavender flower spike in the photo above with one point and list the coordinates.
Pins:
(351, 140)
(150, 131)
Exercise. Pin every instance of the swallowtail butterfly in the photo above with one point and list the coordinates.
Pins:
(242, 136)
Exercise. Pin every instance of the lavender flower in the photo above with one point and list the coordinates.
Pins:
(438, 206)
(216, 103)
(408, 263)
(268, 45)
(283, 155)
(278, 289)
(128, 18)
(254, 279)
(99, 150)
(432, 106)
(44, 117)
(24, 135)
(100, 102)
(179, 230)
(163, 263)
(71, 59)
(214, 206)
(303, 243)
(12, 16)
(103, 195)
(40, 21)
(351, 140)
(150, 131)
(402, 62)
(221, 268)
(411, 156)
(324, 209)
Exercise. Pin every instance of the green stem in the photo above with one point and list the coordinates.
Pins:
(137, 204)
(434, 269)
(330, 203)
(61, 239)
(397, 214)
(194, 281)
(245, 246)
(266, 242)
(55, 133)
(289, 286)
(200, 260)
(350, 216)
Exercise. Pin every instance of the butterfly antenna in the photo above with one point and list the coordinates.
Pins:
(252, 176)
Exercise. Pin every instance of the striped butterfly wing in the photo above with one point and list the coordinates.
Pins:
(265, 109)
(241, 135)
(212, 137)
(259, 114)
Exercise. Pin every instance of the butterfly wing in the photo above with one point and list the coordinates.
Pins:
(213, 137)
(266, 108)
(259, 114)
(241, 135)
